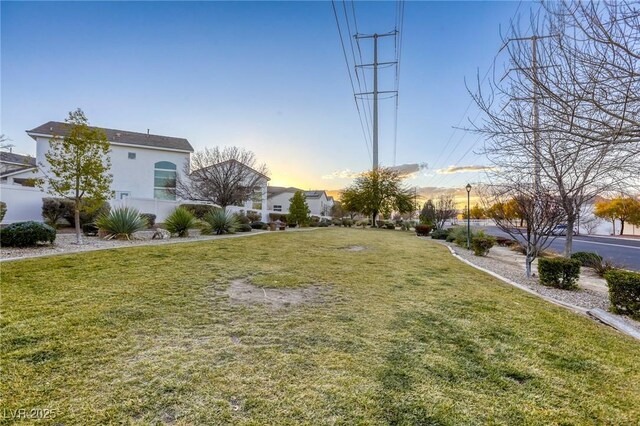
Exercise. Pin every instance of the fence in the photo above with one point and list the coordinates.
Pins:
(23, 203)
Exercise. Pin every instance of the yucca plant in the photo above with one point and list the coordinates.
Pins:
(219, 222)
(180, 221)
(120, 223)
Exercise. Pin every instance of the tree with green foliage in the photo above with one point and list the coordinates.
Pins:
(78, 166)
(378, 191)
(298, 209)
(428, 213)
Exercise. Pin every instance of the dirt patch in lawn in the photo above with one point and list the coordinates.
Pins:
(354, 248)
(241, 291)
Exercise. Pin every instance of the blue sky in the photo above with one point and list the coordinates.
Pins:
(268, 76)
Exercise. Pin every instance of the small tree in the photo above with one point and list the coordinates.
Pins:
(428, 213)
(336, 210)
(79, 166)
(378, 191)
(624, 209)
(445, 209)
(298, 209)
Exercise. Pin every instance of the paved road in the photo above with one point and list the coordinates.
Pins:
(625, 253)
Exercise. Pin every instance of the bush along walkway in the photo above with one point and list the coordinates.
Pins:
(587, 299)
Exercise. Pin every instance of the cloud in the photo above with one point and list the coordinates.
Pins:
(342, 174)
(464, 169)
(405, 170)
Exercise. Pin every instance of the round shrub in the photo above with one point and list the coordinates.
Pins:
(26, 234)
(346, 223)
(390, 225)
(3, 210)
(244, 227)
(587, 258)
(482, 243)
(422, 230)
(90, 229)
(559, 272)
(624, 292)
(259, 225)
(198, 210)
(439, 234)
(150, 218)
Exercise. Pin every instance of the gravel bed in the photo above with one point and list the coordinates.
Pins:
(584, 298)
(66, 243)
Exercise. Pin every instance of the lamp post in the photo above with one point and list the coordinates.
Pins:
(468, 217)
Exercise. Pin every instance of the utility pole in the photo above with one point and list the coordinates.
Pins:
(375, 92)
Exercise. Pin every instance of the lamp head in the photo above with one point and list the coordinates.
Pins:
(468, 187)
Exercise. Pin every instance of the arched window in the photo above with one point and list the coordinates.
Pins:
(164, 181)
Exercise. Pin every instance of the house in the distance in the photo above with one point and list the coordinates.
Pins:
(13, 167)
(279, 197)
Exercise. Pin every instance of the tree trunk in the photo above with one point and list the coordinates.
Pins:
(528, 263)
(568, 244)
(613, 224)
(373, 219)
(621, 227)
(78, 228)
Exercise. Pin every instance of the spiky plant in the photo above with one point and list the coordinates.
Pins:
(180, 221)
(120, 223)
(219, 222)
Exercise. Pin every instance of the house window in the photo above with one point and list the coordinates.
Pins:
(164, 181)
(277, 208)
(132, 156)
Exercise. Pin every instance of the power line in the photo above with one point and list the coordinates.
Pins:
(344, 52)
(399, 36)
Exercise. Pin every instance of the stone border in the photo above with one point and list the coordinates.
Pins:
(595, 314)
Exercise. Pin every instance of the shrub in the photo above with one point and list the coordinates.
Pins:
(603, 266)
(3, 210)
(422, 230)
(624, 292)
(26, 234)
(219, 222)
(587, 258)
(90, 229)
(150, 218)
(180, 221)
(505, 242)
(406, 225)
(54, 210)
(390, 225)
(242, 219)
(337, 222)
(89, 211)
(481, 243)
(559, 272)
(198, 210)
(121, 222)
(244, 227)
(254, 216)
(277, 216)
(323, 224)
(458, 235)
(259, 225)
(347, 222)
(439, 234)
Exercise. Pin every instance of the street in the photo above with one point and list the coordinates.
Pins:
(622, 252)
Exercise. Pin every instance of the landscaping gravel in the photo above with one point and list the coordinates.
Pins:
(496, 263)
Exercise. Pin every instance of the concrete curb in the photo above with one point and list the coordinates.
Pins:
(595, 314)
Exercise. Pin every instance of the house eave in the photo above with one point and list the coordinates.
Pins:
(157, 148)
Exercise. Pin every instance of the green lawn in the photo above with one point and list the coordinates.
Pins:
(403, 334)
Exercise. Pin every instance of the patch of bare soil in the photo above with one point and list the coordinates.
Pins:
(243, 292)
(354, 248)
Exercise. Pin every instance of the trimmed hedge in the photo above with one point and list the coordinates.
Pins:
(482, 243)
(439, 234)
(259, 225)
(587, 258)
(423, 230)
(559, 272)
(624, 292)
(3, 210)
(26, 234)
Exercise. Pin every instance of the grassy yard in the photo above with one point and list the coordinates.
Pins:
(399, 332)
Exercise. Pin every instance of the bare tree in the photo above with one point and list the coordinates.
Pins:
(444, 209)
(227, 176)
(539, 208)
(568, 114)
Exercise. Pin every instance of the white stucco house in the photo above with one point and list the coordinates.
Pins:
(319, 202)
(144, 167)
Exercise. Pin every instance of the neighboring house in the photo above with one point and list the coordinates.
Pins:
(319, 203)
(13, 167)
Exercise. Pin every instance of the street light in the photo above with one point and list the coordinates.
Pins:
(468, 217)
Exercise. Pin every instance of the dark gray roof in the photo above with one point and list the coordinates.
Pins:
(314, 194)
(10, 157)
(276, 190)
(56, 128)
